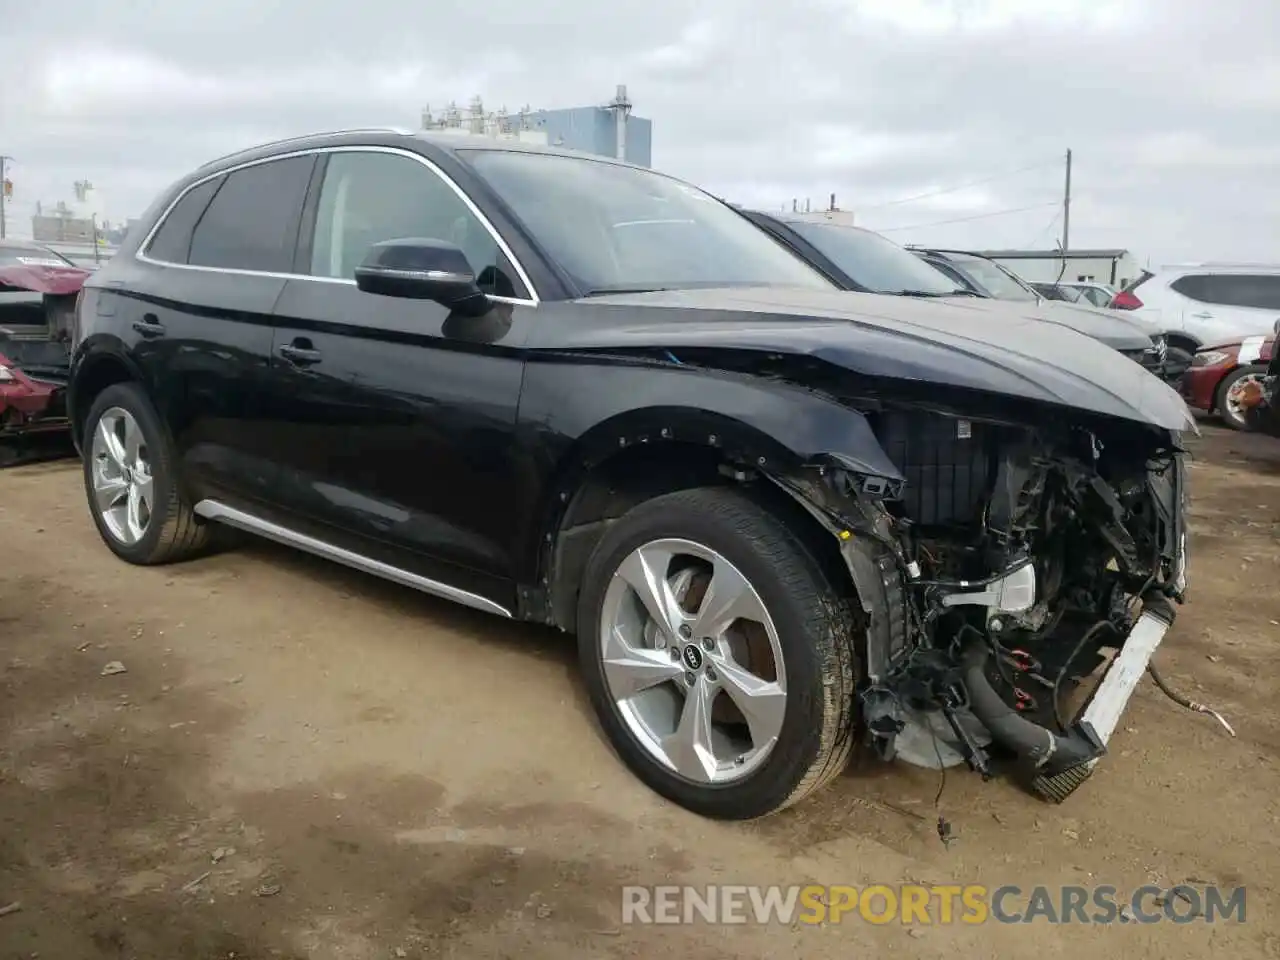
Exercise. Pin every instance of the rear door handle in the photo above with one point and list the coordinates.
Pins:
(1203, 315)
(302, 356)
(149, 326)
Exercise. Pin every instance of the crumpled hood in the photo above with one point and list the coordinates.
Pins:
(41, 276)
(947, 342)
(1116, 331)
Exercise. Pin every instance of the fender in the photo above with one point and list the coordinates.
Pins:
(96, 363)
(751, 422)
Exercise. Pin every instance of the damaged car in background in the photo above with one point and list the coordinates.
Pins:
(38, 290)
(1260, 398)
(781, 518)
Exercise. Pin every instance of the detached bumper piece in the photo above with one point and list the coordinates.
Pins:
(1060, 763)
(1111, 697)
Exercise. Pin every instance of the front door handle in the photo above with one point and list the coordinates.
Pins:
(149, 326)
(1203, 315)
(302, 356)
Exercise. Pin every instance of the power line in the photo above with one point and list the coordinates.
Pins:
(1047, 227)
(979, 216)
(961, 186)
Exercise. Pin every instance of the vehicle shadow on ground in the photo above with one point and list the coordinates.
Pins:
(537, 642)
(1219, 445)
(116, 845)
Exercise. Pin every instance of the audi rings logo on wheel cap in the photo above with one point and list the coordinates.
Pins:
(692, 657)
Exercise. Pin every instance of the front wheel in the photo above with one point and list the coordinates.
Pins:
(717, 655)
(1229, 390)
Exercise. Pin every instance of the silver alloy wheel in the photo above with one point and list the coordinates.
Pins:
(123, 491)
(1232, 400)
(692, 661)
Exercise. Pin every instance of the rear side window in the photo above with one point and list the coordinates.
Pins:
(172, 242)
(252, 222)
(1261, 291)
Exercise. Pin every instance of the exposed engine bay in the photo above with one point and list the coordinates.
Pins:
(997, 578)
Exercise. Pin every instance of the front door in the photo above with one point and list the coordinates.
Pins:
(397, 418)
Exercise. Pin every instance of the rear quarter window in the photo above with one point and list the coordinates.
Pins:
(172, 242)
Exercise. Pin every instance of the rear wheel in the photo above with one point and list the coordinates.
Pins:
(131, 483)
(1229, 390)
(717, 655)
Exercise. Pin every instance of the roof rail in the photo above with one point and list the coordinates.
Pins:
(401, 131)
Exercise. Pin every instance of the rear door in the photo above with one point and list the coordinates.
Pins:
(397, 418)
(1218, 307)
(198, 310)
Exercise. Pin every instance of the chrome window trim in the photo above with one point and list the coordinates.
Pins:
(142, 255)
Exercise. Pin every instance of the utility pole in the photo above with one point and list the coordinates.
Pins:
(1066, 209)
(4, 184)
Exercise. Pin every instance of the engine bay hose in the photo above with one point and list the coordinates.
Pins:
(1028, 740)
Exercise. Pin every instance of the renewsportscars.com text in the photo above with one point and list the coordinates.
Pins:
(911, 904)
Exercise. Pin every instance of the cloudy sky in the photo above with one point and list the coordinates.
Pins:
(1172, 107)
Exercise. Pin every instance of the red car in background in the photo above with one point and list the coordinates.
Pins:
(38, 292)
(1218, 375)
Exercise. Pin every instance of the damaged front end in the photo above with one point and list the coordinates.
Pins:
(996, 574)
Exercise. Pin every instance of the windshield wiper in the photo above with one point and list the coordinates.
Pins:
(933, 293)
(608, 291)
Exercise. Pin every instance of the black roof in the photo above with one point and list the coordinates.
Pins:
(451, 143)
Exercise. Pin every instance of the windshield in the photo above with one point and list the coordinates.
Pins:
(873, 261)
(994, 278)
(615, 228)
(14, 256)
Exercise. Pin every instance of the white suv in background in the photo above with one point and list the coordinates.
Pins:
(1089, 292)
(1206, 304)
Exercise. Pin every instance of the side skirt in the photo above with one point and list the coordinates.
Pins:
(221, 513)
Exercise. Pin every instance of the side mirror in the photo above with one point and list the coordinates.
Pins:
(1276, 328)
(422, 269)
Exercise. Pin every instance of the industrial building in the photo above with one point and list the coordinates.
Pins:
(1113, 267)
(608, 130)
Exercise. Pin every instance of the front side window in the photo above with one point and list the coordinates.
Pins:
(252, 221)
(872, 261)
(617, 228)
(369, 197)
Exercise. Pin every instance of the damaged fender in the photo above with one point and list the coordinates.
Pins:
(762, 422)
(763, 425)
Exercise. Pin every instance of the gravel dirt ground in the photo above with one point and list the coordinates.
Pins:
(301, 761)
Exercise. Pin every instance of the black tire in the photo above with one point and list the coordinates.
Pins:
(173, 532)
(1230, 418)
(814, 625)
